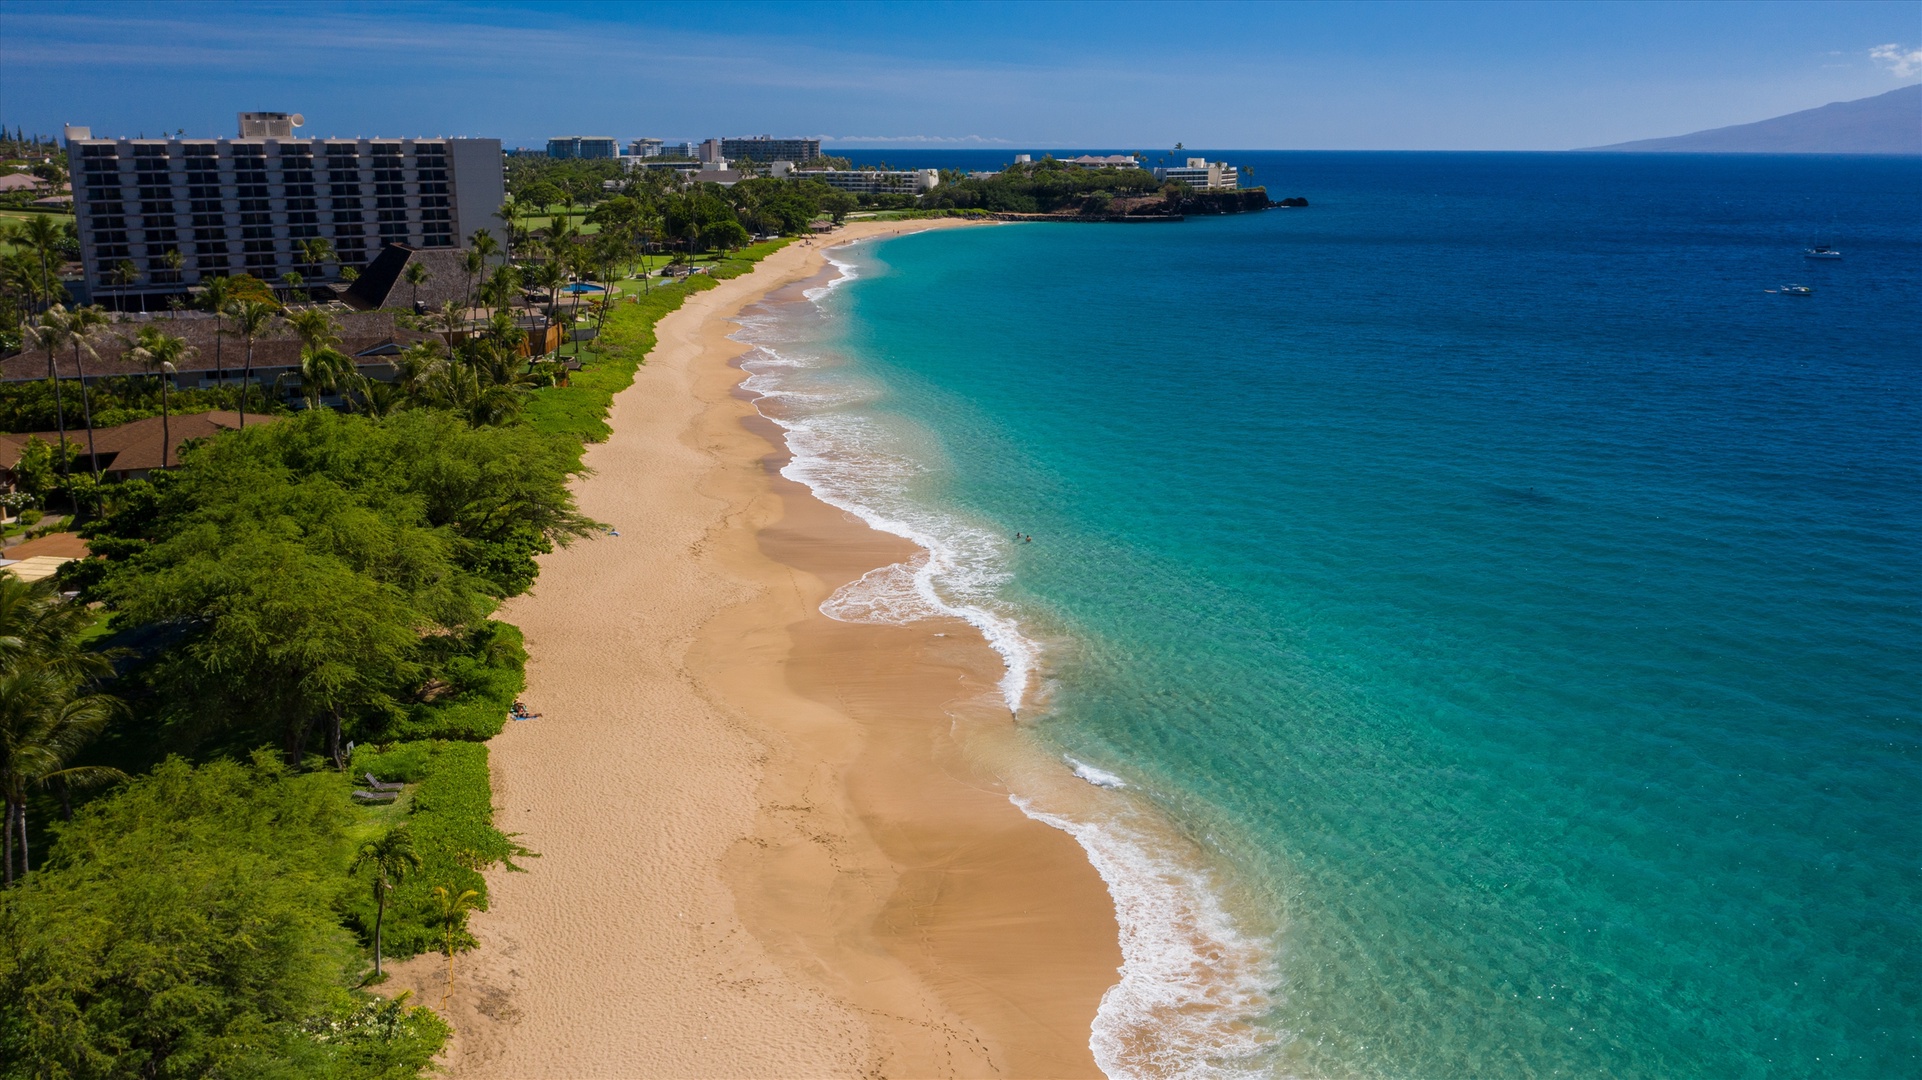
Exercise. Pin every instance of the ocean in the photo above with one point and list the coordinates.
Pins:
(1487, 621)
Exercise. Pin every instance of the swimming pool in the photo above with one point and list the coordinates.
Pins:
(583, 287)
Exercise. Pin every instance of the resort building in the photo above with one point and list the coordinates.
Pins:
(217, 357)
(1110, 161)
(125, 451)
(156, 216)
(769, 148)
(591, 147)
(1203, 175)
(874, 181)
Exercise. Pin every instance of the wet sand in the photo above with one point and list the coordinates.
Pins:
(771, 844)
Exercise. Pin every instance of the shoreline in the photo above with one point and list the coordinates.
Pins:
(764, 848)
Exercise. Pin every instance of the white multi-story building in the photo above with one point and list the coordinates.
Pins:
(873, 181)
(1203, 175)
(156, 216)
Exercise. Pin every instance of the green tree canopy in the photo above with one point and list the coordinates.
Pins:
(185, 927)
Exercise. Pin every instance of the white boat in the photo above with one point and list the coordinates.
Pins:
(1821, 251)
(1792, 290)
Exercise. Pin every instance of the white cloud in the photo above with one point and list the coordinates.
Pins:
(1902, 62)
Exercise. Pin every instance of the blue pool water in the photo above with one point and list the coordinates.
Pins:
(1512, 611)
(579, 287)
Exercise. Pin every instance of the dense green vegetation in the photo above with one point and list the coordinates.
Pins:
(295, 606)
(33, 406)
(188, 926)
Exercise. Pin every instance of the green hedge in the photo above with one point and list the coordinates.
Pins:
(449, 808)
(484, 678)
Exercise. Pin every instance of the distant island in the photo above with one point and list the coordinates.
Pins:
(1888, 123)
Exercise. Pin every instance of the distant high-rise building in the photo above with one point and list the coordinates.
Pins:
(590, 147)
(251, 204)
(645, 148)
(769, 148)
(709, 151)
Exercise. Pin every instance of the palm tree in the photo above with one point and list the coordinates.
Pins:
(292, 280)
(449, 319)
(49, 334)
(510, 214)
(317, 252)
(125, 273)
(216, 293)
(162, 353)
(483, 243)
(371, 397)
(392, 857)
(174, 260)
(81, 324)
(475, 264)
(315, 327)
(251, 319)
(416, 275)
(47, 710)
(451, 915)
(42, 237)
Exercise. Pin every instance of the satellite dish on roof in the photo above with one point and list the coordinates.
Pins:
(298, 119)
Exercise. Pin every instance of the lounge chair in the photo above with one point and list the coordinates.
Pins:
(376, 796)
(378, 785)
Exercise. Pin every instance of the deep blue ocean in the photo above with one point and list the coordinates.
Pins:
(1512, 610)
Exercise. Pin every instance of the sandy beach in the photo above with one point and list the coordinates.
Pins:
(770, 844)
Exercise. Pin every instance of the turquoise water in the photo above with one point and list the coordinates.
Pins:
(1514, 610)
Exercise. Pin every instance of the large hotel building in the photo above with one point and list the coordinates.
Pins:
(251, 204)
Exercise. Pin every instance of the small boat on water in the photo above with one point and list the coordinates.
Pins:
(1792, 290)
(1821, 251)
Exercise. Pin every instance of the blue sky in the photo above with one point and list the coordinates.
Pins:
(1245, 76)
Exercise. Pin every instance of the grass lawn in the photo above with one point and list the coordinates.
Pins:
(11, 216)
(543, 221)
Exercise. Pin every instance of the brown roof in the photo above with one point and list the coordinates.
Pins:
(360, 332)
(381, 285)
(20, 182)
(133, 446)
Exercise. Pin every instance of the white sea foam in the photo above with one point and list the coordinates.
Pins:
(857, 463)
(1193, 986)
(1097, 777)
